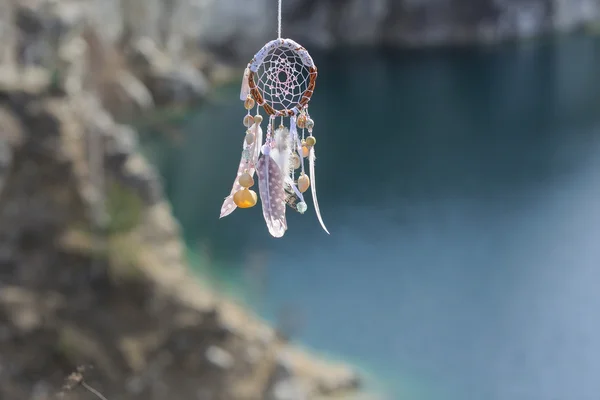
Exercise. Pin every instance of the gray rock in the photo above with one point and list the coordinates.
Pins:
(11, 129)
(219, 357)
(126, 97)
(283, 384)
(5, 161)
(169, 81)
(139, 176)
(23, 314)
(35, 79)
(289, 389)
(41, 391)
(283, 369)
(253, 355)
(120, 144)
(8, 32)
(177, 84)
(143, 54)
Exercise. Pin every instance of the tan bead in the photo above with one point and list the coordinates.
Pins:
(248, 121)
(303, 183)
(249, 103)
(296, 161)
(311, 141)
(246, 180)
(301, 121)
(258, 119)
(245, 198)
(305, 151)
(250, 138)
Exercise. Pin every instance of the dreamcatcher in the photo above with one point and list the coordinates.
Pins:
(281, 79)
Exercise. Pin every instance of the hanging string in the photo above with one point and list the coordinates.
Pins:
(279, 20)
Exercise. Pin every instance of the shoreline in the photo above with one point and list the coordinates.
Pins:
(371, 387)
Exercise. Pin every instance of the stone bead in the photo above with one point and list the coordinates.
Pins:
(303, 183)
(302, 207)
(246, 180)
(250, 138)
(311, 141)
(258, 119)
(248, 121)
(296, 161)
(310, 124)
(245, 198)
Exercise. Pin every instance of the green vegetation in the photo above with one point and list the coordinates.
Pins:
(124, 208)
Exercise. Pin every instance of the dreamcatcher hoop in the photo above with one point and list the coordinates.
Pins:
(280, 78)
(286, 56)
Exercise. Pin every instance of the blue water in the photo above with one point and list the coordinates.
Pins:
(462, 191)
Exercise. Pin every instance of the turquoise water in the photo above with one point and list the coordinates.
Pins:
(462, 191)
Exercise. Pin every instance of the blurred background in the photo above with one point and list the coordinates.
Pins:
(459, 176)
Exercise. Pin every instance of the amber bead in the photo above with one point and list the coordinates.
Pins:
(245, 198)
(305, 151)
(301, 121)
(249, 103)
(311, 141)
(303, 183)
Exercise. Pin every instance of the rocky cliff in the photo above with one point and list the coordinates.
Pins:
(232, 30)
(93, 281)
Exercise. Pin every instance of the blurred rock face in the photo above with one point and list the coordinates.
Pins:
(234, 29)
(242, 25)
(92, 266)
(117, 296)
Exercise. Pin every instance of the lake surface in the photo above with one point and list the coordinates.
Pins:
(462, 192)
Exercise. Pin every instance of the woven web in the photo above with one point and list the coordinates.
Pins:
(282, 78)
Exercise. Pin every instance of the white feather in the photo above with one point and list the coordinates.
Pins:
(282, 151)
(245, 90)
(311, 164)
(258, 138)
